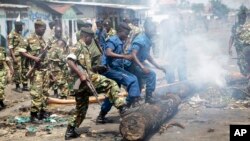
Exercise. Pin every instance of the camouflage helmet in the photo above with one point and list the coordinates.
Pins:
(242, 11)
(39, 22)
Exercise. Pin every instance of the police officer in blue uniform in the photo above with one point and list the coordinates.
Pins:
(116, 62)
(101, 33)
(140, 50)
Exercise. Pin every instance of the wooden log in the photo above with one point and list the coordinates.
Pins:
(92, 99)
(137, 124)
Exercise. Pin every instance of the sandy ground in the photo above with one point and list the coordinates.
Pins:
(202, 123)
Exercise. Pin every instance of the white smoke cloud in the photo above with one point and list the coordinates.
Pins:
(206, 60)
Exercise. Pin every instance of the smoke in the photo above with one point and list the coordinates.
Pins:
(205, 57)
(206, 60)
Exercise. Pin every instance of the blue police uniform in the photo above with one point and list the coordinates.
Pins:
(143, 44)
(118, 72)
(101, 36)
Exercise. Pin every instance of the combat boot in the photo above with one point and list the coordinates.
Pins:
(71, 133)
(2, 105)
(135, 102)
(43, 115)
(101, 118)
(123, 110)
(150, 99)
(34, 118)
(18, 89)
(25, 87)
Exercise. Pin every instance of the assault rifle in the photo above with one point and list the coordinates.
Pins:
(88, 82)
(41, 56)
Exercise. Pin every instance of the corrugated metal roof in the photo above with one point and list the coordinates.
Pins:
(13, 6)
(168, 1)
(120, 6)
(60, 8)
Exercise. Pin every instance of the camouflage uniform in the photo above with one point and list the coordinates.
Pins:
(58, 68)
(95, 53)
(3, 73)
(242, 41)
(40, 78)
(236, 31)
(16, 41)
(101, 83)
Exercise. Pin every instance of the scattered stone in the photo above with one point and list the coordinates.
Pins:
(210, 130)
(3, 132)
(21, 126)
(24, 108)
(31, 131)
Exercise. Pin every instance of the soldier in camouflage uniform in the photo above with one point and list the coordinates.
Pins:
(3, 74)
(245, 61)
(101, 83)
(40, 77)
(236, 37)
(15, 40)
(57, 54)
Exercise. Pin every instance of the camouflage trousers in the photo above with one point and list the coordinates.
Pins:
(21, 69)
(241, 62)
(102, 85)
(60, 83)
(39, 90)
(3, 81)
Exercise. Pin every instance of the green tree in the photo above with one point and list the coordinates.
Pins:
(197, 7)
(219, 9)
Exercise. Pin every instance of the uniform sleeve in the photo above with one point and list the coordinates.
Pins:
(10, 41)
(135, 47)
(110, 45)
(23, 46)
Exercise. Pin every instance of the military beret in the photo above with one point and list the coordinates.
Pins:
(39, 22)
(85, 30)
(52, 24)
(243, 10)
(99, 20)
(87, 24)
(107, 22)
(80, 22)
(19, 23)
(124, 25)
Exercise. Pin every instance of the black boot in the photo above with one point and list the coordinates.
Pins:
(150, 99)
(34, 118)
(123, 110)
(43, 115)
(56, 93)
(25, 87)
(18, 89)
(135, 102)
(101, 118)
(71, 133)
(2, 105)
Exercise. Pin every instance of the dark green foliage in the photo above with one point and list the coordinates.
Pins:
(197, 8)
(219, 9)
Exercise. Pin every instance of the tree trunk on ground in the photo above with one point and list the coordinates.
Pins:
(137, 124)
